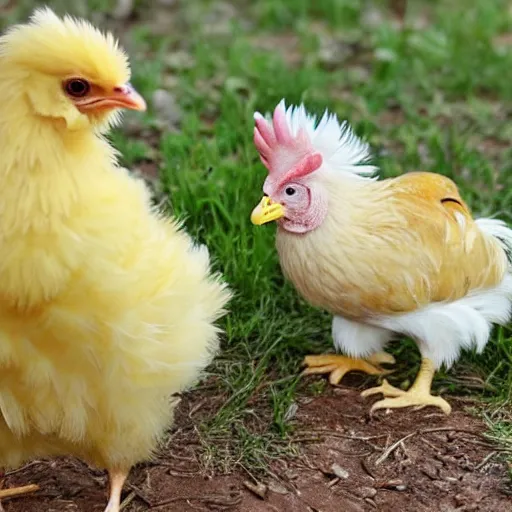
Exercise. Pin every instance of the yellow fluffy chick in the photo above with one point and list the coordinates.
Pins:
(385, 257)
(107, 308)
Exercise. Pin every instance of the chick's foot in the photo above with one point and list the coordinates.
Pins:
(417, 396)
(117, 480)
(337, 366)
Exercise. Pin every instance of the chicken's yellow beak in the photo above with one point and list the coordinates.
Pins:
(266, 211)
(123, 96)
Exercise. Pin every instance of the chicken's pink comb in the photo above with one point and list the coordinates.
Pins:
(285, 156)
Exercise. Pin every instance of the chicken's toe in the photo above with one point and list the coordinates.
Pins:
(337, 366)
(411, 399)
(379, 358)
(385, 388)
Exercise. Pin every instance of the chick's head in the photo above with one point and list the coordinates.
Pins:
(298, 153)
(68, 70)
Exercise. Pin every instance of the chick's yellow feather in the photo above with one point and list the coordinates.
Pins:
(107, 308)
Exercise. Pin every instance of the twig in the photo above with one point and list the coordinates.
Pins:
(196, 408)
(30, 464)
(308, 440)
(18, 491)
(141, 495)
(430, 445)
(449, 429)
(127, 500)
(393, 447)
(182, 474)
(344, 436)
(213, 499)
(366, 467)
(486, 459)
(502, 449)
(333, 482)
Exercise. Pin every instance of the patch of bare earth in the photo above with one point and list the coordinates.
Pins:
(399, 461)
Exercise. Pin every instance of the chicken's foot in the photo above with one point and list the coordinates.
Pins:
(418, 394)
(14, 491)
(117, 479)
(337, 365)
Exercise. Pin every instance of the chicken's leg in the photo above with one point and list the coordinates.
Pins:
(117, 480)
(337, 366)
(417, 395)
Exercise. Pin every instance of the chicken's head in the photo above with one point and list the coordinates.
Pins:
(68, 71)
(297, 152)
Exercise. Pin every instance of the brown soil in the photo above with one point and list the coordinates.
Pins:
(399, 461)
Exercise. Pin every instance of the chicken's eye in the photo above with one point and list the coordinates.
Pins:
(289, 191)
(77, 87)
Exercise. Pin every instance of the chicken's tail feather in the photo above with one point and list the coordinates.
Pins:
(499, 230)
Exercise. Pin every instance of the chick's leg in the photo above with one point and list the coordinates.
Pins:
(337, 366)
(417, 395)
(117, 480)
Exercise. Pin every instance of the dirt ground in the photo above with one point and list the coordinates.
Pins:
(399, 461)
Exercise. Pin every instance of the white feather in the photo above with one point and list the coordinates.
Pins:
(443, 329)
(499, 230)
(342, 150)
(356, 339)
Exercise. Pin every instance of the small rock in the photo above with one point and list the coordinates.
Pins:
(385, 55)
(352, 506)
(431, 471)
(447, 508)
(123, 9)
(365, 492)
(166, 108)
(441, 485)
(333, 53)
(277, 487)
(258, 489)
(371, 502)
(291, 412)
(170, 81)
(180, 60)
(217, 21)
(394, 485)
(373, 17)
(468, 497)
(339, 471)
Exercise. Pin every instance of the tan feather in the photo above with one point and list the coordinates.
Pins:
(391, 246)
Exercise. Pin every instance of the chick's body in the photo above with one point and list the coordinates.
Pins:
(106, 307)
(386, 257)
(116, 316)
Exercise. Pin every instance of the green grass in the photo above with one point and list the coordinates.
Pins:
(432, 98)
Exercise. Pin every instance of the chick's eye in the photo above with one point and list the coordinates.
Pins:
(289, 191)
(77, 87)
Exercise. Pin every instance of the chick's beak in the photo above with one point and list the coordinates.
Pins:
(267, 211)
(123, 96)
